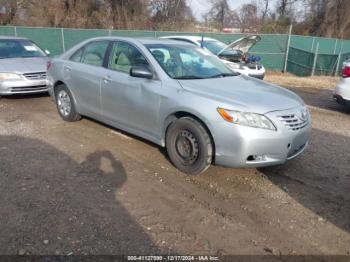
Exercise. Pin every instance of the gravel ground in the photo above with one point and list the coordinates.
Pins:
(86, 188)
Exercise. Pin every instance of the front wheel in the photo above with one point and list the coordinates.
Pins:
(189, 146)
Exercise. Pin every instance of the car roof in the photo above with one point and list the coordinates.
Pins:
(189, 37)
(3, 37)
(142, 40)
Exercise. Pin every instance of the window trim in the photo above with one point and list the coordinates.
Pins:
(113, 42)
(83, 52)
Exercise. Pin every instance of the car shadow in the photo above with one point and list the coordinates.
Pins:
(52, 204)
(320, 178)
(161, 149)
(24, 96)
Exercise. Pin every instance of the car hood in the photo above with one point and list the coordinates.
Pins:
(243, 44)
(23, 65)
(244, 93)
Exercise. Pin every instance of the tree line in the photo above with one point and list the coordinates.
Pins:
(309, 17)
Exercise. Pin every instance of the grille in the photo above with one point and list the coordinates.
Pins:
(28, 88)
(254, 66)
(294, 122)
(35, 76)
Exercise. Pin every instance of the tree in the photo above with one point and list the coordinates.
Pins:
(248, 17)
(325, 18)
(171, 14)
(127, 14)
(284, 7)
(336, 19)
(119, 14)
(10, 10)
(265, 10)
(220, 15)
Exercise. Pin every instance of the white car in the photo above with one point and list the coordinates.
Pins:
(234, 55)
(342, 91)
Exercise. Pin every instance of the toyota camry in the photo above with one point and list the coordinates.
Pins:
(181, 97)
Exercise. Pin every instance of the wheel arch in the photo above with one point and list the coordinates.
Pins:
(60, 82)
(184, 113)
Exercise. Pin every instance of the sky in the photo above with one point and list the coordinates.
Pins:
(200, 7)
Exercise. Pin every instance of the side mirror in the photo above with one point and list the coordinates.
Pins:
(47, 52)
(141, 72)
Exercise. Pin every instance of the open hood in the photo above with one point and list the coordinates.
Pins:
(243, 44)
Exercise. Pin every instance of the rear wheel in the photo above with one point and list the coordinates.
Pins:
(189, 146)
(65, 104)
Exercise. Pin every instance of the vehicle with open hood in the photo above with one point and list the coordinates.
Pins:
(235, 55)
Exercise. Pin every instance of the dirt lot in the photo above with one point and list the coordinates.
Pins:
(85, 188)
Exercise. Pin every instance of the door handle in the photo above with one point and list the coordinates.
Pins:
(67, 68)
(107, 79)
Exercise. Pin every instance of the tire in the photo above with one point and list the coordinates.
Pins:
(189, 146)
(65, 104)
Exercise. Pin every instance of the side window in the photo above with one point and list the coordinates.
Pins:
(124, 56)
(94, 53)
(76, 57)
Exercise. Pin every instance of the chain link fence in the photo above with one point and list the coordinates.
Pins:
(317, 55)
(300, 55)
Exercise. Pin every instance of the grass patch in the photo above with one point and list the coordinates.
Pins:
(290, 80)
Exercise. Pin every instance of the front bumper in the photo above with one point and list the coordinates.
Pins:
(24, 86)
(260, 76)
(342, 92)
(341, 100)
(239, 146)
(245, 70)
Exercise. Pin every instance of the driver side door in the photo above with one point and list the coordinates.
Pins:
(130, 101)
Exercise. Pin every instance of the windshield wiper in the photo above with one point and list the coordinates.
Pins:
(188, 77)
(223, 75)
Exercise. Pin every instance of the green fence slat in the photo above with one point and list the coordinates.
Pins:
(75, 36)
(46, 38)
(7, 30)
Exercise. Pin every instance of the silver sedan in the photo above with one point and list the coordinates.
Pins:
(181, 97)
(22, 66)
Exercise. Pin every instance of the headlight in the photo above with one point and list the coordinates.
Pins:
(9, 76)
(246, 119)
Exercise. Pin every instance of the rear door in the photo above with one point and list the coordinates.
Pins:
(83, 75)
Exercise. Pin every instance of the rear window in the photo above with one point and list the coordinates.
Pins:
(14, 48)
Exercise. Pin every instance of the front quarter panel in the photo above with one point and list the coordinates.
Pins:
(55, 75)
(178, 100)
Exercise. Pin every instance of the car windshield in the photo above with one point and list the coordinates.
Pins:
(14, 48)
(216, 46)
(187, 62)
